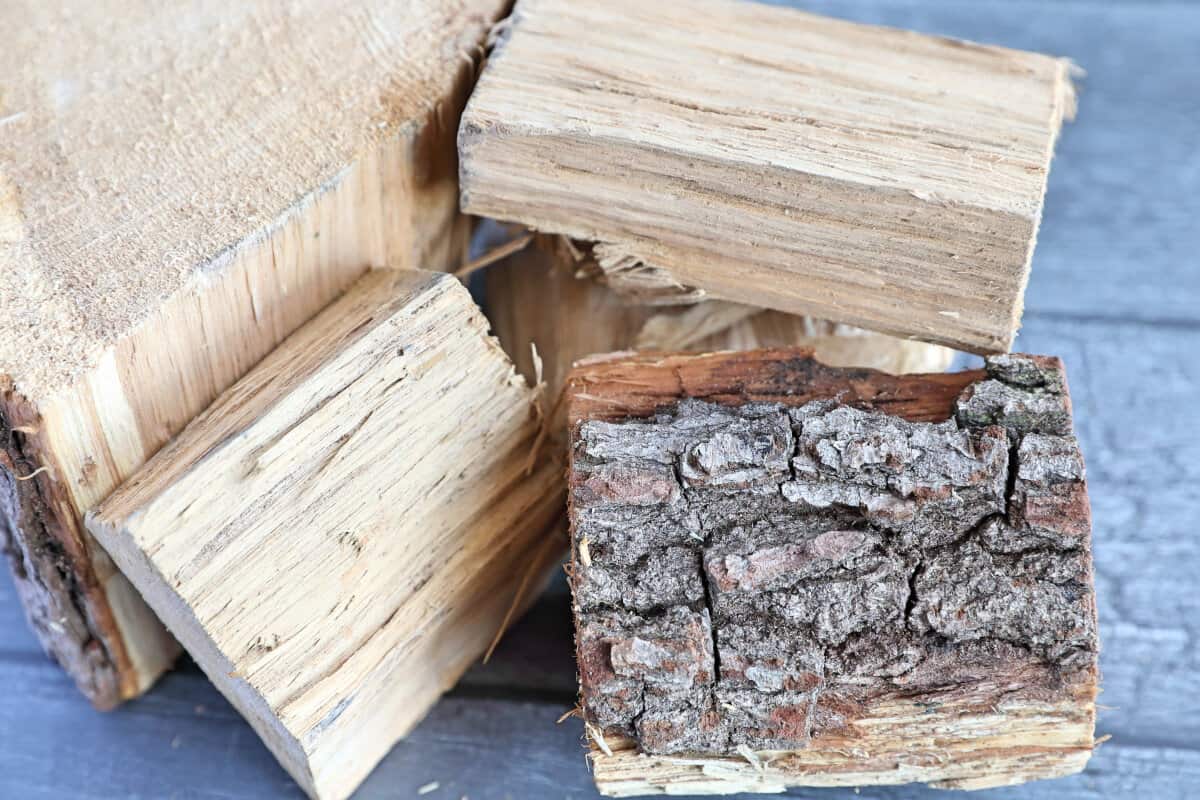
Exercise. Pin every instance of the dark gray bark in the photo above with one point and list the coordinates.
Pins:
(758, 575)
(47, 577)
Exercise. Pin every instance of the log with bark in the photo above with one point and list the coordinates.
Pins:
(783, 160)
(349, 526)
(786, 574)
(178, 194)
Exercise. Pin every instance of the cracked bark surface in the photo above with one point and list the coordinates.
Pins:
(768, 575)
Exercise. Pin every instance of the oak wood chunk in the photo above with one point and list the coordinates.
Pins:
(544, 296)
(344, 530)
(779, 159)
(179, 191)
(832, 586)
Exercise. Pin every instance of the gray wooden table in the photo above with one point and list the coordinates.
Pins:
(1115, 292)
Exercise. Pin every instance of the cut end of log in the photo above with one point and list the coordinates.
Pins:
(790, 575)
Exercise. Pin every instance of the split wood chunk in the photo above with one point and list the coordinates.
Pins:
(786, 574)
(180, 190)
(541, 296)
(346, 529)
(870, 176)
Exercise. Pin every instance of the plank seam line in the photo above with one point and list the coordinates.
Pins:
(1166, 323)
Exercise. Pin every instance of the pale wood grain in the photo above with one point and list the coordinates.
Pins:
(180, 188)
(168, 741)
(343, 531)
(1117, 243)
(546, 297)
(870, 176)
(902, 744)
(456, 747)
(1118, 237)
(833, 343)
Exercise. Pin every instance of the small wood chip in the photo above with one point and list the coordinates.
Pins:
(745, 752)
(575, 252)
(539, 408)
(495, 254)
(33, 474)
(598, 738)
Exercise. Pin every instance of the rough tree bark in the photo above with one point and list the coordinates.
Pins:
(823, 582)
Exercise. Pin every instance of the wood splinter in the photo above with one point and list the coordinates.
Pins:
(797, 575)
(347, 528)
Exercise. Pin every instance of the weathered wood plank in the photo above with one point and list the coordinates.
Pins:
(1144, 472)
(167, 744)
(536, 657)
(157, 746)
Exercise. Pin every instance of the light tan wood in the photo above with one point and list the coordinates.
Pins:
(179, 190)
(876, 177)
(344, 530)
(534, 299)
(962, 748)
(543, 296)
